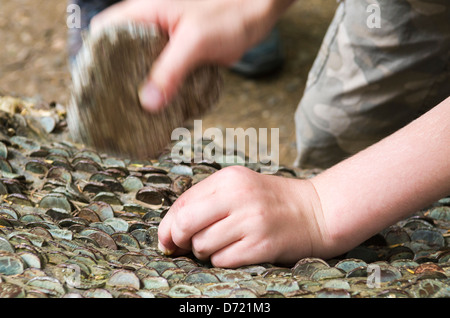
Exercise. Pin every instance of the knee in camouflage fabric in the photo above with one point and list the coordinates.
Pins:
(367, 82)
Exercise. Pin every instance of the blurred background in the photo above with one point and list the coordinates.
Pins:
(33, 63)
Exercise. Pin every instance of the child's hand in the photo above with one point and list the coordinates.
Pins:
(238, 217)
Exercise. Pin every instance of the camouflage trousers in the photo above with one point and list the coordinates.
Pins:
(370, 80)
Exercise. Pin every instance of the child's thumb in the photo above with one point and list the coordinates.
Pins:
(176, 61)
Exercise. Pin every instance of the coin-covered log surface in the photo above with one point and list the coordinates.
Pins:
(77, 223)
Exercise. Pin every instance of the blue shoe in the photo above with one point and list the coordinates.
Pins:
(263, 59)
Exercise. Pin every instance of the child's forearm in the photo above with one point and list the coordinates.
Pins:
(384, 183)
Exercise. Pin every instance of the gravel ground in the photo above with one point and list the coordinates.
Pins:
(33, 63)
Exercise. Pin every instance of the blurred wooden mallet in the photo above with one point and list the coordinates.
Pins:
(105, 112)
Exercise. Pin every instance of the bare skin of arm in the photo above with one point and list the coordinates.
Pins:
(386, 182)
(238, 217)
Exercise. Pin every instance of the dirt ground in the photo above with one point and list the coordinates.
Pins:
(33, 63)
